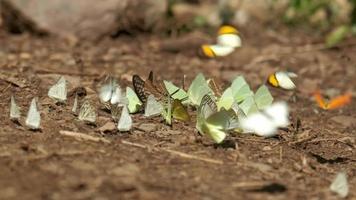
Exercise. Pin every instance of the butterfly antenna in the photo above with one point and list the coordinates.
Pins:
(150, 76)
(183, 81)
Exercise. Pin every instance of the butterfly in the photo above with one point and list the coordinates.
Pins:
(336, 102)
(340, 185)
(282, 79)
(157, 99)
(144, 88)
(119, 97)
(175, 109)
(176, 92)
(125, 122)
(153, 107)
(267, 121)
(33, 118)
(87, 112)
(15, 112)
(212, 122)
(107, 91)
(215, 50)
(229, 36)
(58, 91)
(198, 89)
(240, 89)
(134, 102)
(75, 103)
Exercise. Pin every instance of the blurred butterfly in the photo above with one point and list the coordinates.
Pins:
(212, 122)
(260, 100)
(215, 50)
(33, 118)
(198, 89)
(87, 112)
(58, 91)
(229, 36)
(266, 122)
(107, 91)
(15, 113)
(334, 103)
(125, 122)
(282, 79)
(75, 103)
(340, 185)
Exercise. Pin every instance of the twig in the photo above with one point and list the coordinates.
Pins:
(12, 80)
(83, 136)
(174, 152)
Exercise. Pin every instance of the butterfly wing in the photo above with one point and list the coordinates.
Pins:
(125, 122)
(175, 92)
(248, 106)
(33, 118)
(339, 101)
(198, 89)
(134, 102)
(278, 112)
(14, 110)
(259, 124)
(75, 104)
(226, 100)
(263, 97)
(153, 107)
(106, 91)
(87, 112)
(179, 112)
(58, 91)
(139, 87)
(284, 80)
(206, 108)
(241, 90)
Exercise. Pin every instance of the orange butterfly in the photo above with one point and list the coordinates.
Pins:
(334, 103)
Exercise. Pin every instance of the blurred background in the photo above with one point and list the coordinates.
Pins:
(89, 19)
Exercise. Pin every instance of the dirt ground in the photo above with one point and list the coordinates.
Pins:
(155, 161)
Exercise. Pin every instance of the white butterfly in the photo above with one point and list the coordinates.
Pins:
(75, 104)
(33, 118)
(58, 91)
(87, 112)
(282, 79)
(15, 113)
(216, 50)
(266, 122)
(231, 40)
(153, 107)
(229, 36)
(107, 90)
(119, 97)
(340, 185)
(125, 122)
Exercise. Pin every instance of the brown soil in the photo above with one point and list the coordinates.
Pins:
(298, 164)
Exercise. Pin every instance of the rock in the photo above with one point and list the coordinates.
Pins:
(346, 121)
(81, 18)
(107, 127)
(148, 127)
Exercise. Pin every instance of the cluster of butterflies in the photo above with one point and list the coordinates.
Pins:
(228, 40)
(237, 108)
